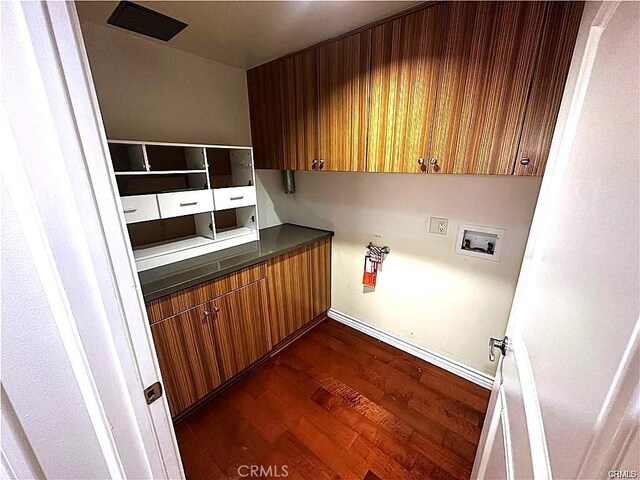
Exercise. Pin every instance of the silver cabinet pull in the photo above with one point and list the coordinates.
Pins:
(188, 204)
(237, 198)
(314, 164)
(421, 161)
(321, 164)
(131, 210)
(524, 161)
(433, 161)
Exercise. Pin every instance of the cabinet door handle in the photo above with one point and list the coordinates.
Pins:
(321, 165)
(188, 204)
(237, 198)
(131, 210)
(314, 164)
(524, 160)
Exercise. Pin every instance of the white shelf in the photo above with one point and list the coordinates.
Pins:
(161, 172)
(171, 247)
(236, 232)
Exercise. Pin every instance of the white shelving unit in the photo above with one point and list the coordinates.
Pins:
(184, 200)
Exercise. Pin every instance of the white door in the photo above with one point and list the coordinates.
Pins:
(566, 400)
(76, 351)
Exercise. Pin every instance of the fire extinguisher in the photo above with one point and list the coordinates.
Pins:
(370, 272)
(372, 261)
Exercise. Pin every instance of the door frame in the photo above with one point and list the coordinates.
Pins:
(122, 357)
(591, 29)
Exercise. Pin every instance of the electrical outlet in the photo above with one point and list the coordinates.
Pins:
(438, 226)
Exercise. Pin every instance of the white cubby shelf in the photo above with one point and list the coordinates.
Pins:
(183, 200)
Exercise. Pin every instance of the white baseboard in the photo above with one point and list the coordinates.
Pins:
(457, 368)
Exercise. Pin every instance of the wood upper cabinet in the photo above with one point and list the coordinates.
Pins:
(186, 353)
(556, 48)
(300, 121)
(264, 88)
(483, 82)
(473, 86)
(299, 288)
(405, 61)
(343, 81)
(241, 327)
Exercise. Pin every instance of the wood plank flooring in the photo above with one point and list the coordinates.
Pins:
(338, 404)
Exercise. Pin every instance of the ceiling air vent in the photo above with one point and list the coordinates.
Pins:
(145, 21)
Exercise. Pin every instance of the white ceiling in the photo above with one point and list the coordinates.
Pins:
(248, 33)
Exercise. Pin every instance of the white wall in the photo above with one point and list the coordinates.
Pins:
(149, 91)
(426, 293)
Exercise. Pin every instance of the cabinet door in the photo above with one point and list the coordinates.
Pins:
(556, 49)
(300, 110)
(185, 349)
(320, 275)
(299, 288)
(240, 322)
(404, 74)
(343, 73)
(263, 85)
(485, 75)
(289, 293)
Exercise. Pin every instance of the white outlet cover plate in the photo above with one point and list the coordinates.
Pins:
(435, 223)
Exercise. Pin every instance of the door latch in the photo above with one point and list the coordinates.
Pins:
(502, 345)
(153, 392)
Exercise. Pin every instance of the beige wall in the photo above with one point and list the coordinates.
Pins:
(426, 293)
(149, 91)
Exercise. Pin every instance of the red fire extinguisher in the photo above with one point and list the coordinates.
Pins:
(370, 272)
(371, 262)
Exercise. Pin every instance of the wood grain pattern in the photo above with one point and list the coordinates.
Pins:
(320, 274)
(300, 122)
(186, 354)
(484, 80)
(344, 78)
(339, 404)
(263, 84)
(241, 326)
(165, 307)
(299, 288)
(404, 77)
(554, 58)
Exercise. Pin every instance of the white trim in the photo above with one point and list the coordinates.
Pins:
(453, 366)
(533, 413)
(200, 145)
(506, 435)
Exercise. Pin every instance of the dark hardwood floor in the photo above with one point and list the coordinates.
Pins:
(338, 404)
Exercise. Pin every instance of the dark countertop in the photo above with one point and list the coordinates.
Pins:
(160, 281)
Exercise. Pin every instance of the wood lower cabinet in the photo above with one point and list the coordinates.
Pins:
(299, 288)
(241, 328)
(207, 334)
(187, 356)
